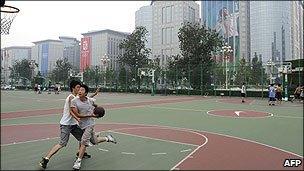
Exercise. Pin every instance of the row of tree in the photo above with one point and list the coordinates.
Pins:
(194, 67)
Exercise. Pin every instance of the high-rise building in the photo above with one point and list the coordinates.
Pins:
(168, 17)
(268, 29)
(96, 45)
(46, 53)
(143, 17)
(71, 50)
(9, 55)
(231, 20)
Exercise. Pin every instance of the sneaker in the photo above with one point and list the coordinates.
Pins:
(77, 165)
(85, 155)
(43, 162)
(111, 139)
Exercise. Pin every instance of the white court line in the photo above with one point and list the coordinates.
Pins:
(230, 136)
(153, 154)
(172, 108)
(178, 128)
(115, 131)
(25, 117)
(291, 117)
(185, 150)
(101, 149)
(127, 153)
(14, 143)
(243, 117)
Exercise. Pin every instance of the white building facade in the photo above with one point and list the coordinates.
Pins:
(71, 50)
(96, 45)
(46, 53)
(143, 17)
(168, 17)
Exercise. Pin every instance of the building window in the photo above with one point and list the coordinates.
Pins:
(164, 16)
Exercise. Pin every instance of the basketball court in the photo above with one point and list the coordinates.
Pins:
(155, 132)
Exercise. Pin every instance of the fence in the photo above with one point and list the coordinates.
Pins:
(199, 80)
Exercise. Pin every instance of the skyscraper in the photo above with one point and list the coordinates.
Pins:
(71, 50)
(96, 45)
(278, 29)
(270, 29)
(143, 17)
(168, 17)
(46, 53)
(230, 19)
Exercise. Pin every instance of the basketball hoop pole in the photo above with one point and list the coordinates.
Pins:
(285, 68)
(153, 84)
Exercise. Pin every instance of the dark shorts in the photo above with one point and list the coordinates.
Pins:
(65, 131)
(279, 95)
(243, 94)
(272, 99)
(297, 96)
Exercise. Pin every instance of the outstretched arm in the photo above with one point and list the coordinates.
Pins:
(96, 92)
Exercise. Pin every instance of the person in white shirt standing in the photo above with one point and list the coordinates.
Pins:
(243, 92)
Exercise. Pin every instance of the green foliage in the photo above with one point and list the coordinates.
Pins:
(93, 76)
(197, 44)
(61, 71)
(21, 69)
(243, 73)
(135, 53)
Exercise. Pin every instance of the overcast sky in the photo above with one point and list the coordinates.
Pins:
(40, 20)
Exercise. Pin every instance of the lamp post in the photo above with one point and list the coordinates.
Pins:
(104, 61)
(226, 49)
(270, 64)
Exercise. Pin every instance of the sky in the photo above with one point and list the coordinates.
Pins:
(40, 20)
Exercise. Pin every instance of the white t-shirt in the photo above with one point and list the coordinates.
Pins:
(84, 108)
(67, 118)
(243, 90)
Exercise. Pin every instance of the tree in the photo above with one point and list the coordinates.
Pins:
(135, 53)
(38, 79)
(92, 76)
(61, 71)
(218, 74)
(243, 73)
(21, 70)
(257, 71)
(197, 43)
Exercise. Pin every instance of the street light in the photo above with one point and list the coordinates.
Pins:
(104, 61)
(226, 49)
(270, 64)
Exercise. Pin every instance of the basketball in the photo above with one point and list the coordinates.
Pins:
(99, 111)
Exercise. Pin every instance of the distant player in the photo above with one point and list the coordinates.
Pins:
(271, 95)
(279, 93)
(83, 108)
(243, 92)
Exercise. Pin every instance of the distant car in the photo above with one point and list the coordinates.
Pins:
(9, 87)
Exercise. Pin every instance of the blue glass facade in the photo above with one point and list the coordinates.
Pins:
(223, 16)
(44, 59)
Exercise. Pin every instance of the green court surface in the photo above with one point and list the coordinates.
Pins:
(130, 153)
(283, 130)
